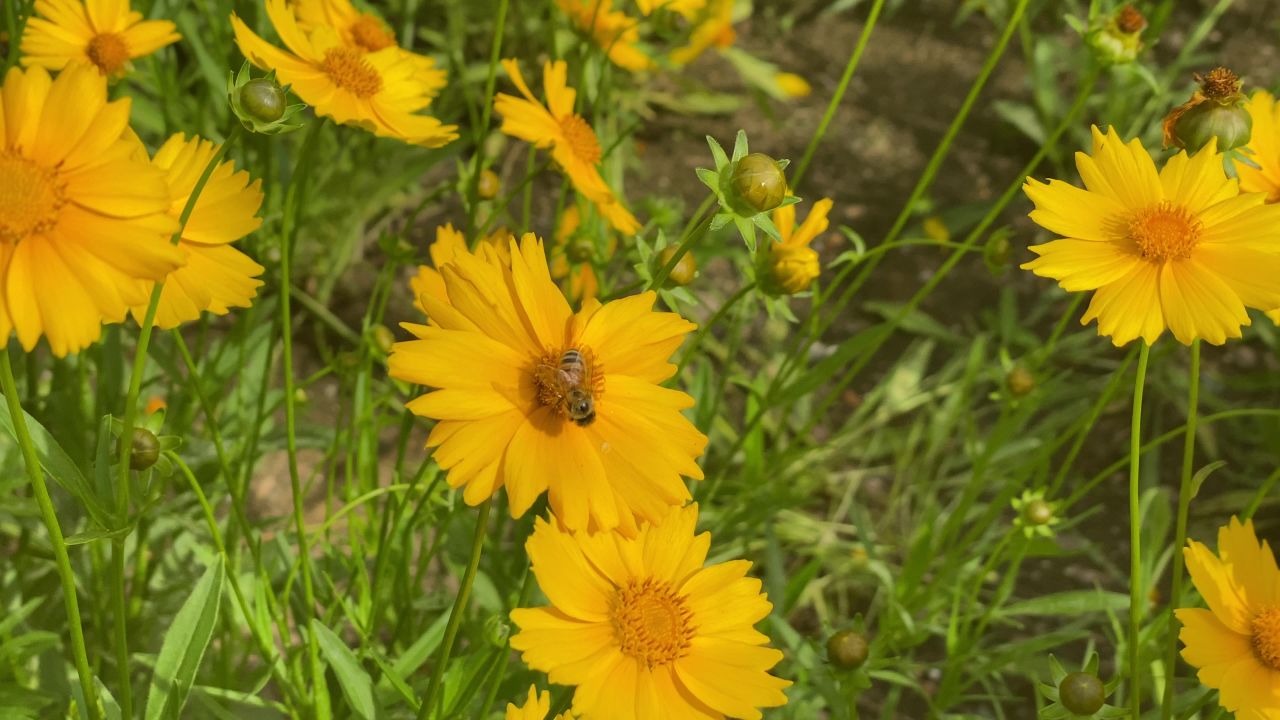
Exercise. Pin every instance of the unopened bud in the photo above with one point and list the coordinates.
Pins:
(263, 99)
(685, 269)
(383, 338)
(488, 185)
(1038, 512)
(1082, 693)
(758, 184)
(848, 650)
(793, 268)
(144, 449)
(1020, 381)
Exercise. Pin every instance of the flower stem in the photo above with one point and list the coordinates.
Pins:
(716, 317)
(36, 475)
(125, 688)
(1180, 534)
(1135, 536)
(832, 106)
(486, 110)
(288, 228)
(459, 608)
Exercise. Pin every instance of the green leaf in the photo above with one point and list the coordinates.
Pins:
(184, 646)
(355, 682)
(59, 465)
(1071, 602)
(1203, 474)
(740, 146)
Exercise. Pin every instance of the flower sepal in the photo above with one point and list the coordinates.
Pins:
(673, 295)
(1072, 695)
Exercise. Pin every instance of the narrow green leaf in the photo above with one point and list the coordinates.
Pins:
(184, 646)
(356, 684)
(59, 465)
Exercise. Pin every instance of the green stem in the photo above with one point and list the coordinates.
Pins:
(288, 228)
(1136, 598)
(1180, 534)
(1262, 494)
(126, 440)
(486, 111)
(459, 609)
(838, 96)
(35, 474)
(711, 322)
(526, 590)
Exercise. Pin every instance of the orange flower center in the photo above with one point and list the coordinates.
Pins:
(651, 622)
(31, 197)
(1165, 232)
(109, 52)
(582, 139)
(370, 34)
(569, 381)
(348, 69)
(1266, 637)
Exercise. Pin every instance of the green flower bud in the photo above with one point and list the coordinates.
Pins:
(383, 338)
(580, 249)
(263, 99)
(144, 449)
(1038, 512)
(685, 269)
(497, 630)
(1082, 693)
(848, 649)
(1216, 111)
(1020, 381)
(758, 184)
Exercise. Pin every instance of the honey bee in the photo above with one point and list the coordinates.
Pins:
(567, 386)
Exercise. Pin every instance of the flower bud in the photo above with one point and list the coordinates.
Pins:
(1120, 40)
(758, 184)
(792, 268)
(497, 630)
(1037, 512)
(1020, 381)
(580, 249)
(848, 650)
(144, 449)
(1216, 110)
(263, 99)
(383, 338)
(685, 269)
(488, 185)
(1082, 693)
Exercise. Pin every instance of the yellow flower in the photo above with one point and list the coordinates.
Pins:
(687, 8)
(367, 33)
(450, 243)
(573, 143)
(643, 629)
(1265, 144)
(535, 707)
(792, 264)
(1180, 249)
(1236, 642)
(83, 218)
(614, 31)
(377, 91)
(792, 84)
(105, 33)
(515, 408)
(714, 27)
(216, 276)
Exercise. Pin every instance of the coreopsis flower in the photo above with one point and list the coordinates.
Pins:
(536, 398)
(1180, 249)
(535, 707)
(216, 276)
(713, 27)
(1261, 172)
(105, 34)
(792, 265)
(368, 33)
(613, 31)
(557, 127)
(643, 629)
(1235, 644)
(450, 243)
(380, 91)
(83, 213)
